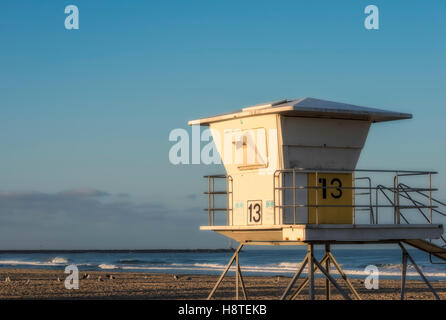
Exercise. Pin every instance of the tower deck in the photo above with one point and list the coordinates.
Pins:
(342, 233)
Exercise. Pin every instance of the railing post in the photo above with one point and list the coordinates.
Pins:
(370, 200)
(311, 270)
(354, 198)
(274, 198)
(396, 199)
(430, 196)
(281, 197)
(294, 196)
(317, 197)
(237, 275)
(376, 204)
(227, 200)
(209, 200)
(232, 201)
(327, 267)
(213, 200)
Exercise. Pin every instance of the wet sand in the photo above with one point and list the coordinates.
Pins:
(49, 284)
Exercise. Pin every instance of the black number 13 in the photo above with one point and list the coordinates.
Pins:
(257, 213)
(335, 182)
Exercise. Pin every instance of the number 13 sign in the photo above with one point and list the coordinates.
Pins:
(254, 212)
(334, 189)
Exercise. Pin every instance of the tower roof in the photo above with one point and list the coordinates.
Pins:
(309, 107)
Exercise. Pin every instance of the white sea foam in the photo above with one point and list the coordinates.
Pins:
(353, 268)
(49, 263)
(280, 268)
(208, 265)
(289, 264)
(31, 263)
(28, 263)
(59, 260)
(107, 266)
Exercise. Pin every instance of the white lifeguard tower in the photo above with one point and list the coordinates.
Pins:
(291, 179)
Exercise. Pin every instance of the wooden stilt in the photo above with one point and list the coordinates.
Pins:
(300, 288)
(403, 274)
(419, 271)
(236, 277)
(344, 276)
(332, 280)
(231, 261)
(317, 265)
(327, 266)
(305, 282)
(311, 271)
(242, 282)
(295, 277)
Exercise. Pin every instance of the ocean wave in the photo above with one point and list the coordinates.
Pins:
(138, 261)
(289, 264)
(214, 267)
(59, 260)
(107, 266)
(30, 263)
(47, 263)
(283, 268)
(207, 265)
(395, 273)
(392, 266)
(51, 262)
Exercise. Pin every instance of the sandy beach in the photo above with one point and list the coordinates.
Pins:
(49, 284)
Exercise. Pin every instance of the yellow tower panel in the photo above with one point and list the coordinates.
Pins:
(334, 195)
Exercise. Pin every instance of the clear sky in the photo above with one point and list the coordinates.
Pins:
(85, 114)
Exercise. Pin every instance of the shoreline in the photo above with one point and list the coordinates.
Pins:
(49, 284)
(411, 275)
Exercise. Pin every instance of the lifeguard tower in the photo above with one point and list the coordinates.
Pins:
(291, 179)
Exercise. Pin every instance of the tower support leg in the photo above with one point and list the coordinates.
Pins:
(237, 278)
(332, 280)
(305, 282)
(311, 271)
(344, 276)
(406, 256)
(403, 273)
(295, 277)
(238, 275)
(327, 267)
(313, 266)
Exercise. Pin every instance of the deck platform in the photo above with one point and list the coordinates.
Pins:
(333, 233)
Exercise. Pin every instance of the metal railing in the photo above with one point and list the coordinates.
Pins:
(211, 209)
(365, 193)
(392, 202)
(395, 200)
(378, 201)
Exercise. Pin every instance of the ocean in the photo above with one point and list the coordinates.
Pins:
(264, 262)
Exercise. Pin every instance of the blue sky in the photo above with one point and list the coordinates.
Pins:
(85, 114)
